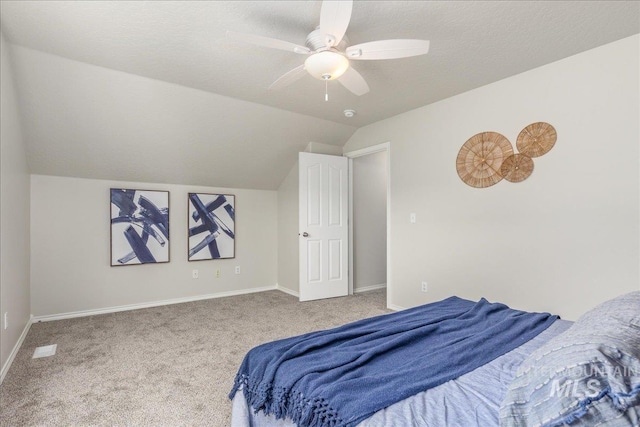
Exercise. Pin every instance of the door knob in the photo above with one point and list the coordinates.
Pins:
(305, 234)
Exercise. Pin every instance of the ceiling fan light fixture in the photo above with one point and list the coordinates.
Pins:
(327, 63)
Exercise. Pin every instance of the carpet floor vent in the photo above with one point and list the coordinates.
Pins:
(45, 351)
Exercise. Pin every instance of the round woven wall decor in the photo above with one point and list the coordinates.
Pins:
(536, 139)
(479, 159)
(516, 168)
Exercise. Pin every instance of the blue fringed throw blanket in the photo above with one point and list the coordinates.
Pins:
(342, 376)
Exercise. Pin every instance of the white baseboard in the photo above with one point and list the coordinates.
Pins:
(369, 288)
(362, 289)
(107, 310)
(288, 291)
(395, 307)
(15, 350)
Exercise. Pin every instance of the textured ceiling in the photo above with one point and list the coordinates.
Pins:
(473, 43)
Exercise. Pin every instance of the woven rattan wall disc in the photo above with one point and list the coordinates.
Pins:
(536, 139)
(516, 168)
(479, 159)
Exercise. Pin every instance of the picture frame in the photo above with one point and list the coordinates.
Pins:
(211, 226)
(139, 221)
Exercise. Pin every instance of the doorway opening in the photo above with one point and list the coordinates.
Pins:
(369, 207)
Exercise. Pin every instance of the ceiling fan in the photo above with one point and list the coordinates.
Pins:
(328, 53)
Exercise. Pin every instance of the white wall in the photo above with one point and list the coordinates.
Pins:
(564, 239)
(369, 220)
(288, 206)
(14, 215)
(70, 260)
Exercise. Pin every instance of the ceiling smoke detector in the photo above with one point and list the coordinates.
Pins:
(349, 113)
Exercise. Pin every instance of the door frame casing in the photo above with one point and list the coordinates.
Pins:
(386, 146)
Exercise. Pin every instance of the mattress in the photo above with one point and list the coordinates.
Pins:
(470, 400)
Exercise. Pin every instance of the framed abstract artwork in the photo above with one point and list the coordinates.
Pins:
(211, 230)
(139, 227)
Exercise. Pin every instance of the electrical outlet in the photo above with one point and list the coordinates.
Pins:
(237, 269)
(194, 274)
(412, 218)
(217, 273)
(423, 287)
(6, 320)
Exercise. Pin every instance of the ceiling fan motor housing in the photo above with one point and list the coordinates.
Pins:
(318, 42)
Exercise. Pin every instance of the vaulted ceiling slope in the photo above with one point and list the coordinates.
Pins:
(87, 121)
(153, 91)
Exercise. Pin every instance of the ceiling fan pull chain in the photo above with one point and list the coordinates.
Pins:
(326, 89)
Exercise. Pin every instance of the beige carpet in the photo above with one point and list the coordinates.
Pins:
(164, 366)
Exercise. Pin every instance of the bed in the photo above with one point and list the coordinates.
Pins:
(486, 365)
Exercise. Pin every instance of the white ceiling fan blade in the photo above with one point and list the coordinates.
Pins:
(354, 82)
(268, 42)
(388, 49)
(289, 77)
(334, 19)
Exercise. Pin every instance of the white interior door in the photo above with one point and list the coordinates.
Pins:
(324, 233)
